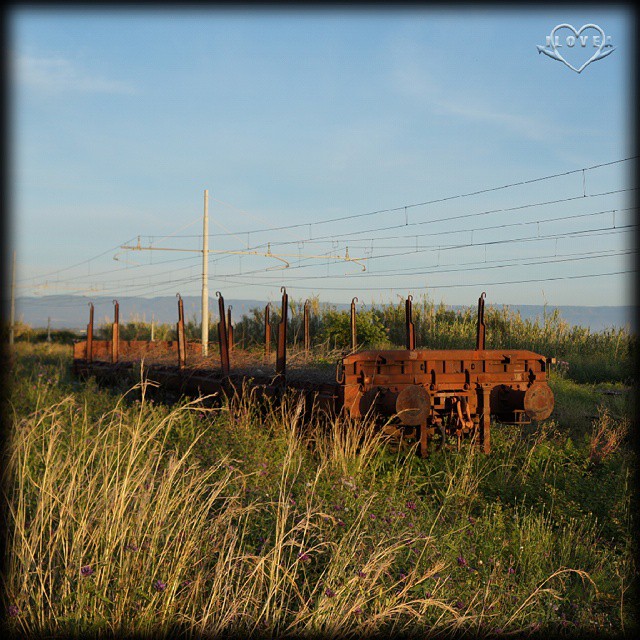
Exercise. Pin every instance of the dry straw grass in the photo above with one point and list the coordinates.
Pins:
(110, 529)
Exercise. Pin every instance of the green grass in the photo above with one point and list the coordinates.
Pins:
(129, 516)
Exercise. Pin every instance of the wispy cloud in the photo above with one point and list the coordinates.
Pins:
(60, 75)
(420, 82)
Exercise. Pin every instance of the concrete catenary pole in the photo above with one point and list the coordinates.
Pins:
(205, 276)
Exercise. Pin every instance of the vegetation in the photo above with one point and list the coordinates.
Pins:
(583, 356)
(128, 516)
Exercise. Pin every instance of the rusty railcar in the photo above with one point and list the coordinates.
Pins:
(430, 395)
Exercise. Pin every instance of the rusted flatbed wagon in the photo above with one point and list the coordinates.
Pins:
(431, 395)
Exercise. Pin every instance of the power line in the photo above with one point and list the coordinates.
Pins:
(477, 266)
(450, 218)
(473, 229)
(448, 286)
(436, 200)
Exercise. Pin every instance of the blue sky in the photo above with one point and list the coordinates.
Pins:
(121, 118)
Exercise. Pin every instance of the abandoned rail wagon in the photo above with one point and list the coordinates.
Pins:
(429, 395)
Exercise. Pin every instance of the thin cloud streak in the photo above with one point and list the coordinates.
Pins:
(56, 74)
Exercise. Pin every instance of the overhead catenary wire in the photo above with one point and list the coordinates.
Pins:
(357, 236)
(450, 286)
(438, 200)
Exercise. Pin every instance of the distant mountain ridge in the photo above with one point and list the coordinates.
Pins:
(72, 312)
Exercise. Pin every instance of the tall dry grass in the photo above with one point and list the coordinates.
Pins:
(129, 517)
(111, 530)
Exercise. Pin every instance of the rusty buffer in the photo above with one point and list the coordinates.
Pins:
(437, 397)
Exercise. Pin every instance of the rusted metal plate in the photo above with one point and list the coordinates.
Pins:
(538, 401)
(413, 405)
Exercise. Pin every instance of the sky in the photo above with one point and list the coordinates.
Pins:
(365, 152)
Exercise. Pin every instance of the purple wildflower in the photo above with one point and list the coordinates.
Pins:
(511, 570)
(361, 574)
(304, 557)
(358, 611)
(13, 611)
(158, 585)
(411, 505)
(372, 516)
(329, 593)
(461, 561)
(460, 604)
(472, 520)
(131, 546)
(86, 571)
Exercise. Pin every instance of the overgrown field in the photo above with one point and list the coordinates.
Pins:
(583, 355)
(128, 516)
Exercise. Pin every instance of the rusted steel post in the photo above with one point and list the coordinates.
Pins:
(267, 330)
(222, 336)
(281, 357)
(411, 330)
(480, 333)
(182, 350)
(485, 426)
(115, 332)
(354, 336)
(90, 334)
(307, 335)
(229, 329)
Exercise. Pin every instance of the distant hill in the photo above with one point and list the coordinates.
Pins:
(72, 312)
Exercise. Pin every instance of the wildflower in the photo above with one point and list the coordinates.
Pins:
(511, 570)
(403, 576)
(86, 571)
(304, 557)
(340, 523)
(461, 561)
(131, 546)
(372, 516)
(158, 585)
(411, 505)
(361, 574)
(13, 611)
(329, 593)
(471, 520)
(358, 611)
(460, 604)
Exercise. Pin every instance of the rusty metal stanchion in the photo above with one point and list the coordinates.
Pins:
(267, 330)
(481, 328)
(222, 336)
(485, 418)
(115, 332)
(229, 329)
(182, 358)
(411, 330)
(307, 334)
(281, 357)
(90, 334)
(354, 336)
